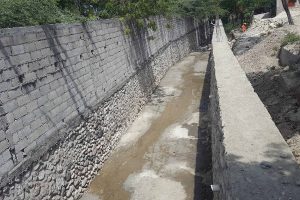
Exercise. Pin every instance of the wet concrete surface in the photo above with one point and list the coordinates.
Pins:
(158, 158)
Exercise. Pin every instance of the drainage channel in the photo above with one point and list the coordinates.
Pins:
(166, 152)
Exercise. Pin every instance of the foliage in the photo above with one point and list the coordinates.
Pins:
(240, 11)
(32, 12)
(229, 27)
(197, 8)
(244, 9)
(290, 38)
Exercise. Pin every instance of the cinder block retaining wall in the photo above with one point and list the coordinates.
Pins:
(67, 93)
(251, 160)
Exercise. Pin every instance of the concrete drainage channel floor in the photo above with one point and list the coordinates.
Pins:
(165, 154)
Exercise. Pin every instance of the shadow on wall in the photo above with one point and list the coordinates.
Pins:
(61, 58)
(25, 88)
(140, 58)
(203, 170)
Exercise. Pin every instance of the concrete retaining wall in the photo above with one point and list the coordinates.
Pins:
(67, 92)
(251, 160)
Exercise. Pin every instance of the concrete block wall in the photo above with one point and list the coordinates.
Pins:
(67, 93)
(251, 160)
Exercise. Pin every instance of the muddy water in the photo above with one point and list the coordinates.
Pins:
(171, 109)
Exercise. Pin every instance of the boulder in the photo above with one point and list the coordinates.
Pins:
(290, 54)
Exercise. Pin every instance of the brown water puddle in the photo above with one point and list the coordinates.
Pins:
(109, 183)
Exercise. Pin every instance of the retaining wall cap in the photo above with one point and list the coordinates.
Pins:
(260, 163)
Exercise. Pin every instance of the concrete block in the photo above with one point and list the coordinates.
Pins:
(41, 73)
(39, 112)
(41, 44)
(9, 74)
(47, 52)
(42, 100)
(16, 50)
(15, 82)
(2, 64)
(20, 59)
(29, 47)
(4, 86)
(44, 62)
(22, 144)
(52, 95)
(27, 119)
(35, 94)
(13, 94)
(29, 77)
(32, 106)
(22, 100)
(10, 106)
(2, 135)
(45, 89)
(20, 112)
(6, 41)
(30, 147)
(22, 69)
(10, 118)
(37, 133)
(35, 65)
(36, 55)
(25, 132)
(54, 85)
(3, 123)
(36, 124)
(6, 167)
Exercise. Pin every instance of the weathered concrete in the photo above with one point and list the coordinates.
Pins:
(251, 160)
(156, 159)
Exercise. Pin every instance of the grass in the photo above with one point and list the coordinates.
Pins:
(290, 38)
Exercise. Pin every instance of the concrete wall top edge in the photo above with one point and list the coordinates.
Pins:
(258, 160)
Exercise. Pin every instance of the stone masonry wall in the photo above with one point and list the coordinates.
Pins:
(67, 93)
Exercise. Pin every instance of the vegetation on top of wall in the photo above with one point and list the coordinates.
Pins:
(35, 12)
(290, 38)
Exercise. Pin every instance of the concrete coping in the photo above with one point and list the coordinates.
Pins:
(259, 163)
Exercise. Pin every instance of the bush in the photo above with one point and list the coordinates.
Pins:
(290, 38)
(31, 12)
(229, 27)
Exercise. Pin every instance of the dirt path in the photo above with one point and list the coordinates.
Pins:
(158, 158)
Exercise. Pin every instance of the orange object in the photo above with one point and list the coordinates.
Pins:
(291, 3)
(244, 27)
